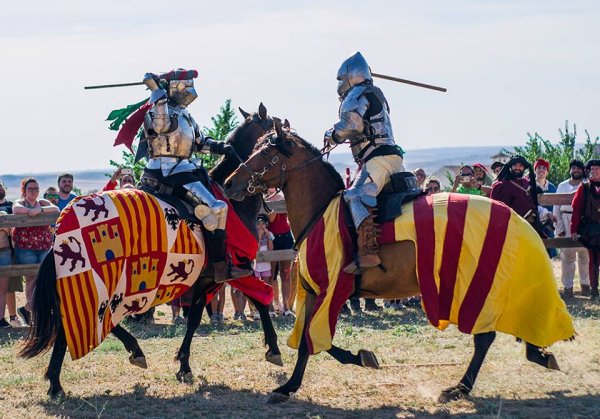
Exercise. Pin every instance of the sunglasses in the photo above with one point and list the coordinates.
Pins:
(32, 189)
(52, 196)
(433, 189)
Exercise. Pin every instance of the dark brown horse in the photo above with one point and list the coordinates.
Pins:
(282, 159)
(47, 330)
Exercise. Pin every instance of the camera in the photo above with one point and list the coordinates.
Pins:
(126, 171)
(466, 178)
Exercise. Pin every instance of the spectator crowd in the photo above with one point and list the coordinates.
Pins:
(517, 183)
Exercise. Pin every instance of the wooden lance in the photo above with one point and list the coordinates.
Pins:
(414, 83)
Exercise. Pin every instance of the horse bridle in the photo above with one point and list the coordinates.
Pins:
(257, 182)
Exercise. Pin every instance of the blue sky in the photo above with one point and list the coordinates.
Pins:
(511, 67)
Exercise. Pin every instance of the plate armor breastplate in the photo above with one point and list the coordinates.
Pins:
(177, 142)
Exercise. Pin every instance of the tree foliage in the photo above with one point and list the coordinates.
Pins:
(560, 154)
(222, 124)
(128, 161)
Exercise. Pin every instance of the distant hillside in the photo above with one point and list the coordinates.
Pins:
(430, 159)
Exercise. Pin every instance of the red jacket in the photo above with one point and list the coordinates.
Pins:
(579, 202)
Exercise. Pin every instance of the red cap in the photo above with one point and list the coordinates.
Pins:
(541, 162)
(481, 166)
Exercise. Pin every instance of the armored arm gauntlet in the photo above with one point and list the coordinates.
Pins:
(161, 122)
(350, 126)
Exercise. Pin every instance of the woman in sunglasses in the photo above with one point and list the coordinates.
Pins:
(31, 243)
(432, 186)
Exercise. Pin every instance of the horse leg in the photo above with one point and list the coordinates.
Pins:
(482, 341)
(55, 366)
(282, 393)
(273, 355)
(137, 356)
(541, 356)
(364, 358)
(184, 374)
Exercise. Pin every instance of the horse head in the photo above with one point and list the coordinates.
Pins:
(243, 139)
(272, 159)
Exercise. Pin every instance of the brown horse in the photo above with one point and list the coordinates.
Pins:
(282, 159)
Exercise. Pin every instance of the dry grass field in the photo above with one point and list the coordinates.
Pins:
(233, 380)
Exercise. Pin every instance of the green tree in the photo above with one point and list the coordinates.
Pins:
(128, 161)
(560, 154)
(222, 124)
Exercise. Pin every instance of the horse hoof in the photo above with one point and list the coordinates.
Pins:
(552, 363)
(185, 377)
(139, 361)
(274, 359)
(56, 393)
(276, 398)
(454, 393)
(368, 359)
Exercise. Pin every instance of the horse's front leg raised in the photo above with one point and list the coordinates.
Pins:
(55, 366)
(273, 354)
(137, 356)
(364, 358)
(195, 315)
(282, 393)
(541, 357)
(482, 341)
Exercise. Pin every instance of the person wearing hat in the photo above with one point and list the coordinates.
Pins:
(585, 223)
(520, 193)
(569, 256)
(482, 175)
(497, 167)
(542, 168)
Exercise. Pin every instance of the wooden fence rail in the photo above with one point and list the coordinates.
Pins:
(262, 256)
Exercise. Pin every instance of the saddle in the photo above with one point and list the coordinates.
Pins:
(401, 188)
(164, 192)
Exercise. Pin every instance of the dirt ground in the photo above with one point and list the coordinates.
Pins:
(233, 380)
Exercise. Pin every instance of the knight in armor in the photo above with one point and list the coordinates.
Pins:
(364, 122)
(170, 137)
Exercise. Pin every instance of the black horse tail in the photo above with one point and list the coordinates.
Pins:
(45, 311)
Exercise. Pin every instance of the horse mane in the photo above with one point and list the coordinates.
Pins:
(286, 147)
(243, 148)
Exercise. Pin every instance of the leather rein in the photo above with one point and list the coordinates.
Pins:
(257, 181)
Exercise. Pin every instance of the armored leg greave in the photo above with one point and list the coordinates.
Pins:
(208, 209)
(368, 246)
(224, 270)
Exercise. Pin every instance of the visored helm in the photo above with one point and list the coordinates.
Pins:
(181, 85)
(353, 71)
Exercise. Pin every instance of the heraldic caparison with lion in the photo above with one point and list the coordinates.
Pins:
(97, 287)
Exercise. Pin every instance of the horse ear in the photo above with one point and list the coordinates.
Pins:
(286, 124)
(278, 129)
(262, 111)
(244, 113)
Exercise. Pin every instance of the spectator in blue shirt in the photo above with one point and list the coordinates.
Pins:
(65, 186)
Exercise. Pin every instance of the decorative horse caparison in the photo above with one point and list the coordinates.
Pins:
(48, 329)
(474, 261)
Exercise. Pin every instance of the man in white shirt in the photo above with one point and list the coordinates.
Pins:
(568, 256)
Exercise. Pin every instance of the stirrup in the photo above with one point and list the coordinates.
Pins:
(355, 267)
